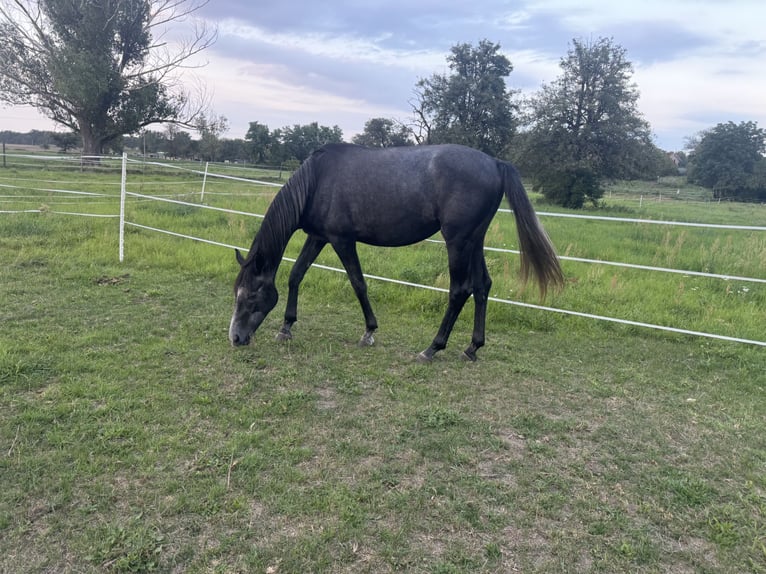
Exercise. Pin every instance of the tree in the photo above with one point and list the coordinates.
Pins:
(729, 159)
(210, 130)
(152, 142)
(383, 132)
(585, 125)
(259, 142)
(299, 141)
(234, 150)
(278, 154)
(93, 65)
(178, 143)
(472, 105)
(65, 141)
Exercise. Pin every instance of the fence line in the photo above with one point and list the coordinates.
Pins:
(629, 265)
(205, 173)
(653, 221)
(494, 299)
(190, 204)
(272, 184)
(428, 287)
(123, 222)
(65, 191)
(108, 216)
(494, 249)
(577, 259)
(559, 311)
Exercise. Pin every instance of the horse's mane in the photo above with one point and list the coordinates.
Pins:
(283, 216)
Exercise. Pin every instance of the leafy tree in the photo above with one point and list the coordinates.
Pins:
(585, 126)
(152, 142)
(259, 142)
(234, 150)
(278, 154)
(648, 163)
(472, 105)
(729, 159)
(93, 65)
(210, 130)
(40, 138)
(178, 142)
(299, 141)
(383, 132)
(65, 141)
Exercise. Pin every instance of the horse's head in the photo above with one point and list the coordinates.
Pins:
(254, 297)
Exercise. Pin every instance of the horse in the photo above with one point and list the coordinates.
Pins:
(343, 194)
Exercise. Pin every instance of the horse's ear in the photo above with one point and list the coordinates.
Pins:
(240, 259)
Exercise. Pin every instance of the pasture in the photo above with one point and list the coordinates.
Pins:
(133, 438)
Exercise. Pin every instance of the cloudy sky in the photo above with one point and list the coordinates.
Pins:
(341, 62)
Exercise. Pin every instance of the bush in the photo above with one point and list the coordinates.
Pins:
(570, 187)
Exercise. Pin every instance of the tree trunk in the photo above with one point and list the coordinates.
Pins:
(92, 146)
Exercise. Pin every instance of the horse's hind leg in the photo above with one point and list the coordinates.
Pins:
(459, 291)
(482, 283)
(346, 251)
(308, 255)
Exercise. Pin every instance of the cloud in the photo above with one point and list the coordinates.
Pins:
(697, 62)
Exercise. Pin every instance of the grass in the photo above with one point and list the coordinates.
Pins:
(135, 439)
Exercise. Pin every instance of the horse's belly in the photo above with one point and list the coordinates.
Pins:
(396, 233)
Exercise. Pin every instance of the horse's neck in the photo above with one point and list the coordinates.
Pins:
(281, 221)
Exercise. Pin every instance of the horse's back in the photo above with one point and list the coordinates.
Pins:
(399, 195)
(411, 162)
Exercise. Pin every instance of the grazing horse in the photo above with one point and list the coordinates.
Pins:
(343, 194)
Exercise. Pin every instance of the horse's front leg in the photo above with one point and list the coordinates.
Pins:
(310, 251)
(348, 256)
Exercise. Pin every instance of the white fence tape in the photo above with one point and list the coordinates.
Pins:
(652, 221)
(443, 290)
(190, 204)
(123, 222)
(495, 249)
(495, 299)
(630, 265)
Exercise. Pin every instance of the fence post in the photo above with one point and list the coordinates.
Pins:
(122, 205)
(204, 180)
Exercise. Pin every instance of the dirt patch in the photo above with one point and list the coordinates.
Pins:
(105, 281)
(326, 401)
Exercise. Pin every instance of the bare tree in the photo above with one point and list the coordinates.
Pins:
(103, 68)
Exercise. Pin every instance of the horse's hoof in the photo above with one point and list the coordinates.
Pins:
(466, 356)
(424, 358)
(367, 340)
(284, 336)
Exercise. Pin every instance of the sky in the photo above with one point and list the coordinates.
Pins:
(342, 62)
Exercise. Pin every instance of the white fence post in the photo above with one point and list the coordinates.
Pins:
(122, 205)
(204, 181)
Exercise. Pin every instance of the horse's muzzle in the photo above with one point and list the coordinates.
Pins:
(240, 332)
(239, 341)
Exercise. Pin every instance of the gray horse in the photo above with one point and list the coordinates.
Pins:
(390, 197)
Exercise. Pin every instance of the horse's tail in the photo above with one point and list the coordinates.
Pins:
(537, 252)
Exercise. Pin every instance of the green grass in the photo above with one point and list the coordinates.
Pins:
(135, 439)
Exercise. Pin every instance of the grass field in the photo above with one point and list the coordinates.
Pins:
(133, 438)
